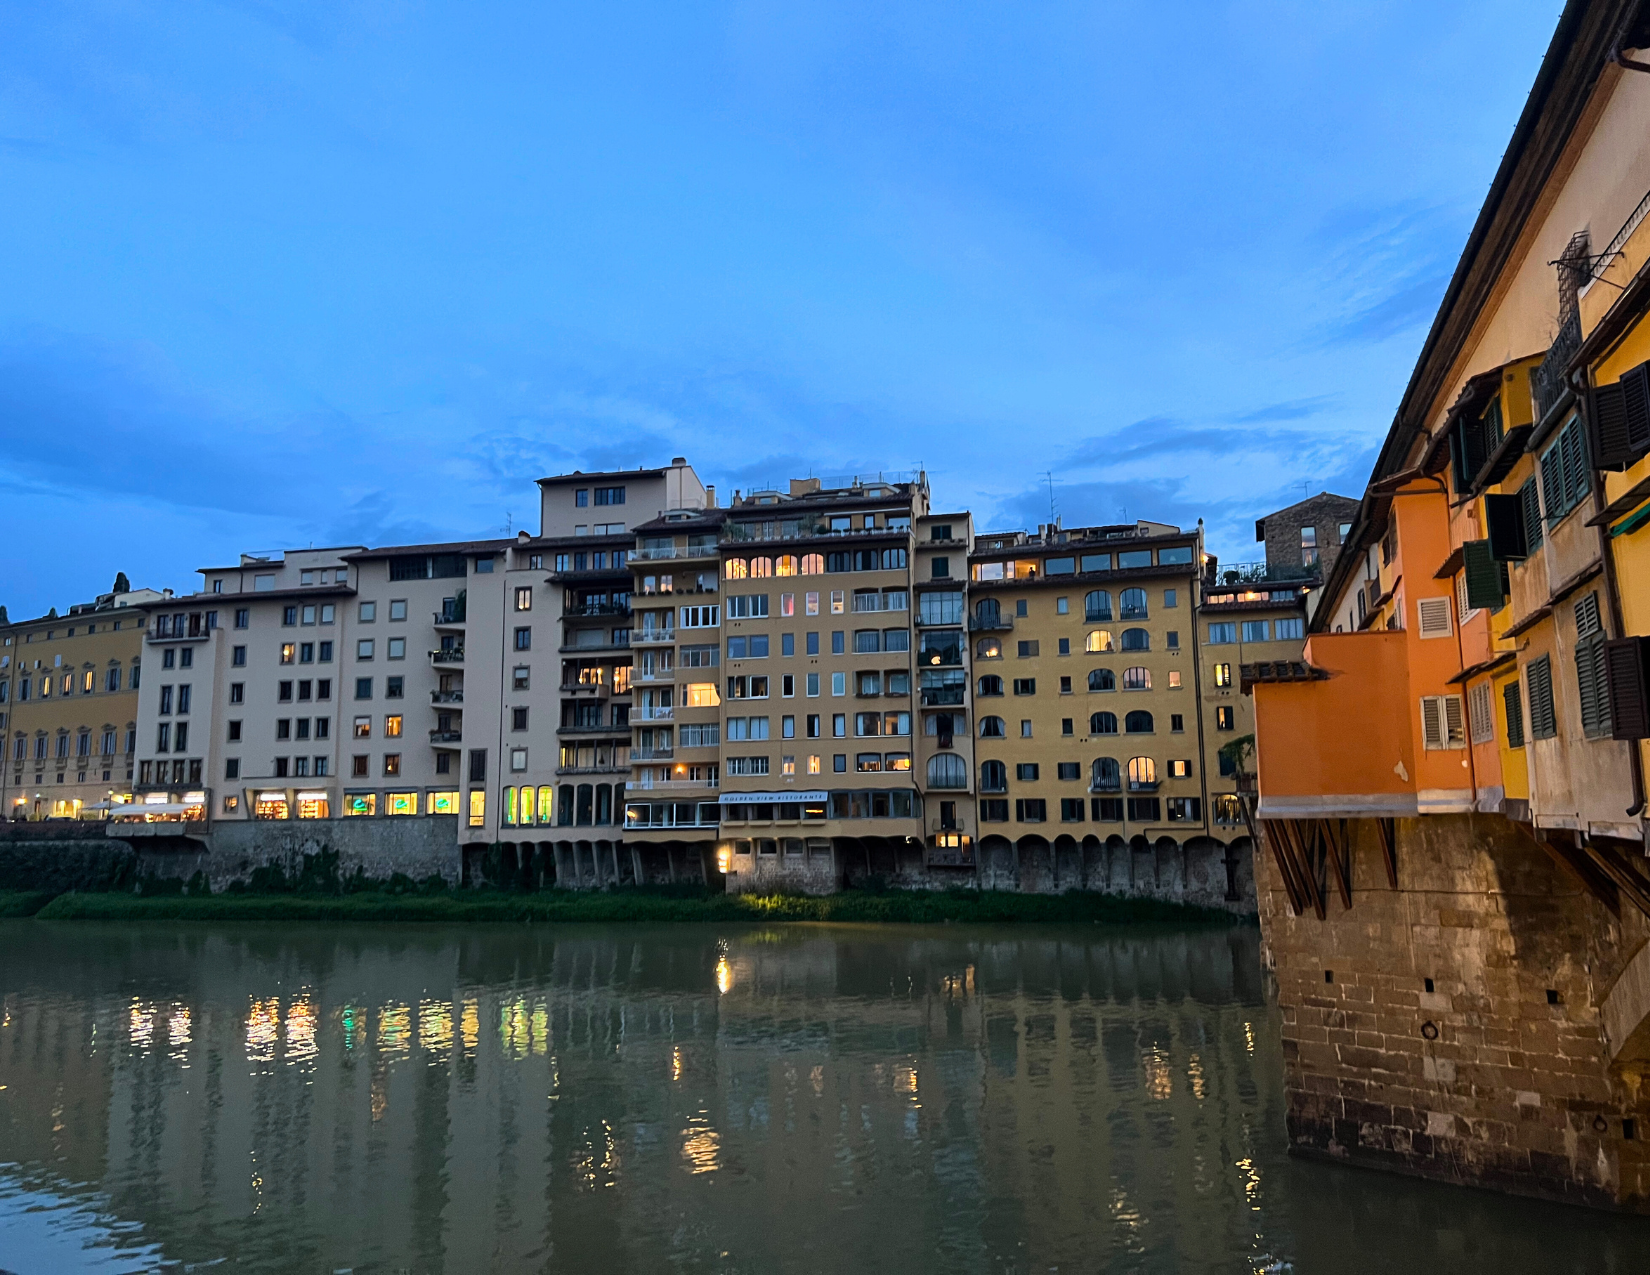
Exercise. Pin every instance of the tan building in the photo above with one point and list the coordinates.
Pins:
(68, 707)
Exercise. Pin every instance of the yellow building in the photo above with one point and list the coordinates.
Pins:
(68, 707)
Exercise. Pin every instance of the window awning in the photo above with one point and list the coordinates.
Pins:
(742, 798)
(152, 808)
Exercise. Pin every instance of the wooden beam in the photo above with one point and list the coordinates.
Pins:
(1302, 857)
(1579, 868)
(1387, 830)
(1274, 839)
(1338, 861)
(1621, 873)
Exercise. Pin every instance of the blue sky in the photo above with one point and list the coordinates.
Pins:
(279, 274)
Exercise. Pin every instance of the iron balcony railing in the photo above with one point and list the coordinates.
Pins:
(652, 754)
(990, 623)
(446, 697)
(448, 655)
(446, 736)
(1551, 379)
(1263, 573)
(598, 608)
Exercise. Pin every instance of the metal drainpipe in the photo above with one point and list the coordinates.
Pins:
(1612, 590)
(1622, 60)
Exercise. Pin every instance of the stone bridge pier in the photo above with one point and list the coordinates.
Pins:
(1464, 998)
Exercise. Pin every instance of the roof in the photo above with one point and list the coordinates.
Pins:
(456, 546)
(579, 476)
(700, 519)
(91, 617)
(622, 540)
(258, 595)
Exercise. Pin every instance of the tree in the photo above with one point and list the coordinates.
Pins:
(122, 584)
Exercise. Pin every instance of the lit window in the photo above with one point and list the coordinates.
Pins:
(392, 726)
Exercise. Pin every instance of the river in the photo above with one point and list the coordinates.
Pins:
(601, 1098)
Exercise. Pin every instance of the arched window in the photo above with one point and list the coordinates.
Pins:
(1104, 775)
(1138, 722)
(992, 728)
(947, 770)
(993, 776)
(1102, 679)
(813, 564)
(1136, 640)
(524, 802)
(1102, 723)
(1133, 604)
(564, 806)
(785, 565)
(991, 684)
(988, 611)
(1097, 605)
(735, 569)
(585, 812)
(1142, 772)
(547, 803)
(1137, 679)
(1098, 640)
(509, 807)
(761, 568)
(989, 648)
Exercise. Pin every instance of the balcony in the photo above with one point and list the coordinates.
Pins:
(1108, 786)
(674, 785)
(596, 609)
(990, 623)
(651, 713)
(671, 553)
(1551, 381)
(747, 533)
(653, 675)
(446, 736)
(603, 648)
(652, 754)
(447, 655)
(451, 615)
(597, 690)
(446, 697)
(651, 637)
(1143, 785)
(1262, 573)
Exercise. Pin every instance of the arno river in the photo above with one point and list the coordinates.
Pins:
(615, 1098)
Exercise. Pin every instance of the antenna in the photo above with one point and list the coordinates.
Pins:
(1048, 475)
(509, 523)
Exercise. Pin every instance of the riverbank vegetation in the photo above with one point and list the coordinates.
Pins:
(650, 904)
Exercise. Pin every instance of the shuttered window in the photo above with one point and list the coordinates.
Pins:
(1530, 495)
(1591, 672)
(1621, 419)
(1504, 524)
(1432, 617)
(1627, 672)
(1514, 709)
(1538, 677)
(1564, 472)
(1483, 584)
(1481, 713)
(1441, 722)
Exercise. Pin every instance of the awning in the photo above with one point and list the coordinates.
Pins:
(744, 798)
(154, 808)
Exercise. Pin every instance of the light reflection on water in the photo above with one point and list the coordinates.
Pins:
(686, 1099)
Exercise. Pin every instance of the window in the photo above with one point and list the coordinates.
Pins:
(393, 687)
(1223, 674)
(1030, 810)
(990, 684)
(1180, 769)
(1225, 717)
(243, 617)
(994, 811)
(1026, 771)
(1028, 650)
(1292, 630)
(1136, 640)
(289, 654)
(363, 688)
(1185, 809)
(1222, 634)
(608, 495)
(1025, 728)
(1021, 606)
(524, 598)
(1105, 775)
(1102, 723)
(947, 770)
(524, 639)
(989, 648)
(396, 648)
(1257, 631)
(941, 567)
(1138, 722)
(993, 776)
(1025, 686)
(1096, 605)
(1132, 604)
(1102, 679)
(992, 728)
(1442, 724)
(1564, 481)
(839, 683)
(1592, 673)
(1432, 617)
(1481, 713)
(1137, 679)
(1515, 715)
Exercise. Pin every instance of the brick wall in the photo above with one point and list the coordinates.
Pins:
(1517, 1090)
(1325, 512)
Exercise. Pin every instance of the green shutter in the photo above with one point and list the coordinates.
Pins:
(1538, 676)
(1627, 672)
(1608, 420)
(1530, 494)
(1515, 715)
(1483, 576)
(1552, 483)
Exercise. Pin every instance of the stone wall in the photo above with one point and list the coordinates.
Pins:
(379, 848)
(1324, 512)
(1499, 1074)
(63, 856)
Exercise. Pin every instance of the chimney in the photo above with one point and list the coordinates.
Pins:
(678, 460)
(710, 495)
(804, 486)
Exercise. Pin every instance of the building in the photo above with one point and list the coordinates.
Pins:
(68, 706)
(1454, 885)
(1306, 538)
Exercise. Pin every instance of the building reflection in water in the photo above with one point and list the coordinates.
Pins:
(644, 1099)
